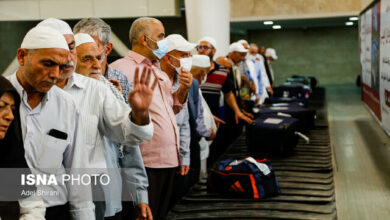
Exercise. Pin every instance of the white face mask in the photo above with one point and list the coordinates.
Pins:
(186, 63)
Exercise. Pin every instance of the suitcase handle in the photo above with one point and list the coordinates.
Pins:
(306, 138)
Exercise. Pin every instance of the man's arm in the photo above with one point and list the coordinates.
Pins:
(231, 101)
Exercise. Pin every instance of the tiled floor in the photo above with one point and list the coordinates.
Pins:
(362, 156)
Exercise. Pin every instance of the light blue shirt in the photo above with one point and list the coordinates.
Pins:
(260, 83)
(183, 123)
(134, 173)
(57, 110)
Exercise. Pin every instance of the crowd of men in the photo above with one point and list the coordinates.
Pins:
(153, 121)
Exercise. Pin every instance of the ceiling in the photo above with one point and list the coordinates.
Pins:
(242, 27)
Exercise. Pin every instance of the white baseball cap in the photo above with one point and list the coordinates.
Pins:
(177, 42)
(202, 61)
(237, 47)
(82, 38)
(209, 40)
(270, 52)
(242, 41)
(44, 37)
(56, 24)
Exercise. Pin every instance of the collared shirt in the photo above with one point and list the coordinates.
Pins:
(163, 150)
(103, 114)
(127, 86)
(57, 110)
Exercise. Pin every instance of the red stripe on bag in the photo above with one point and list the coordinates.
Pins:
(255, 192)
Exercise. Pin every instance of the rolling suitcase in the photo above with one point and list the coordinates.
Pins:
(306, 116)
(299, 92)
(272, 134)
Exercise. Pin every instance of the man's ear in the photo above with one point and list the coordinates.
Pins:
(22, 55)
(109, 48)
(142, 40)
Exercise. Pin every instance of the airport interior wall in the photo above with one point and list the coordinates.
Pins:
(329, 53)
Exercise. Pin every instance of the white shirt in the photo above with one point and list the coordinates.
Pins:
(57, 110)
(104, 115)
(264, 78)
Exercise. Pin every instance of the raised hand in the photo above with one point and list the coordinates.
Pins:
(141, 96)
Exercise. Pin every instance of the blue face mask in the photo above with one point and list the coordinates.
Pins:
(162, 48)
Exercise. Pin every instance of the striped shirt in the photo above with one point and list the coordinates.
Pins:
(218, 79)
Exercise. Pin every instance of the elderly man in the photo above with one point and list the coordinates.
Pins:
(102, 110)
(206, 122)
(100, 31)
(265, 84)
(161, 154)
(250, 70)
(134, 172)
(176, 61)
(51, 143)
(270, 55)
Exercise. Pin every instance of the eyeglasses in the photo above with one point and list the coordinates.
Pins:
(203, 47)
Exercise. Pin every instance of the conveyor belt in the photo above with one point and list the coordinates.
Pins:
(305, 178)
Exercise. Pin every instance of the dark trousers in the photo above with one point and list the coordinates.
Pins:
(128, 210)
(60, 212)
(180, 186)
(160, 190)
(9, 210)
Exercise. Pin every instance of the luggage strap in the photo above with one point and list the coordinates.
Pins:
(261, 166)
(306, 138)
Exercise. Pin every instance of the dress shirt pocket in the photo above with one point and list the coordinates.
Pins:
(90, 129)
(51, 156)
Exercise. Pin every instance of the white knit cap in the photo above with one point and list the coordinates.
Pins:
(82, 38)
(209, 40)
(270, 52)
(56, 24)
(237, 47)
(202, 61)
(177, 42)
(44, 37)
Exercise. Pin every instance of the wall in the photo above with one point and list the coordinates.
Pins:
(245, 10)
(330, 54)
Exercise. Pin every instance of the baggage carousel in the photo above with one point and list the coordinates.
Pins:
(305, 178)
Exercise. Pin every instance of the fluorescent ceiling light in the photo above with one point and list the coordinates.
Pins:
(353, 18)
(349, 23)
(268, 22)
(276, 27)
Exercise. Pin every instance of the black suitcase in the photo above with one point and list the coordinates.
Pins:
(271, 134)
(306, 116)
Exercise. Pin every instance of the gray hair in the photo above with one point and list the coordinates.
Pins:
(95, 27)
(139, 27)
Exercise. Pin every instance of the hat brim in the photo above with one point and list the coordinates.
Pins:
(186, 47)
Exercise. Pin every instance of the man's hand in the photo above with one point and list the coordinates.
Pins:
(240, 116)
(212, 135)
(144, 212)
(218, 121)
(247, 114)
(183, 170)
(141, 97)
(185, 79)
(270, 90)
(117, 84)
